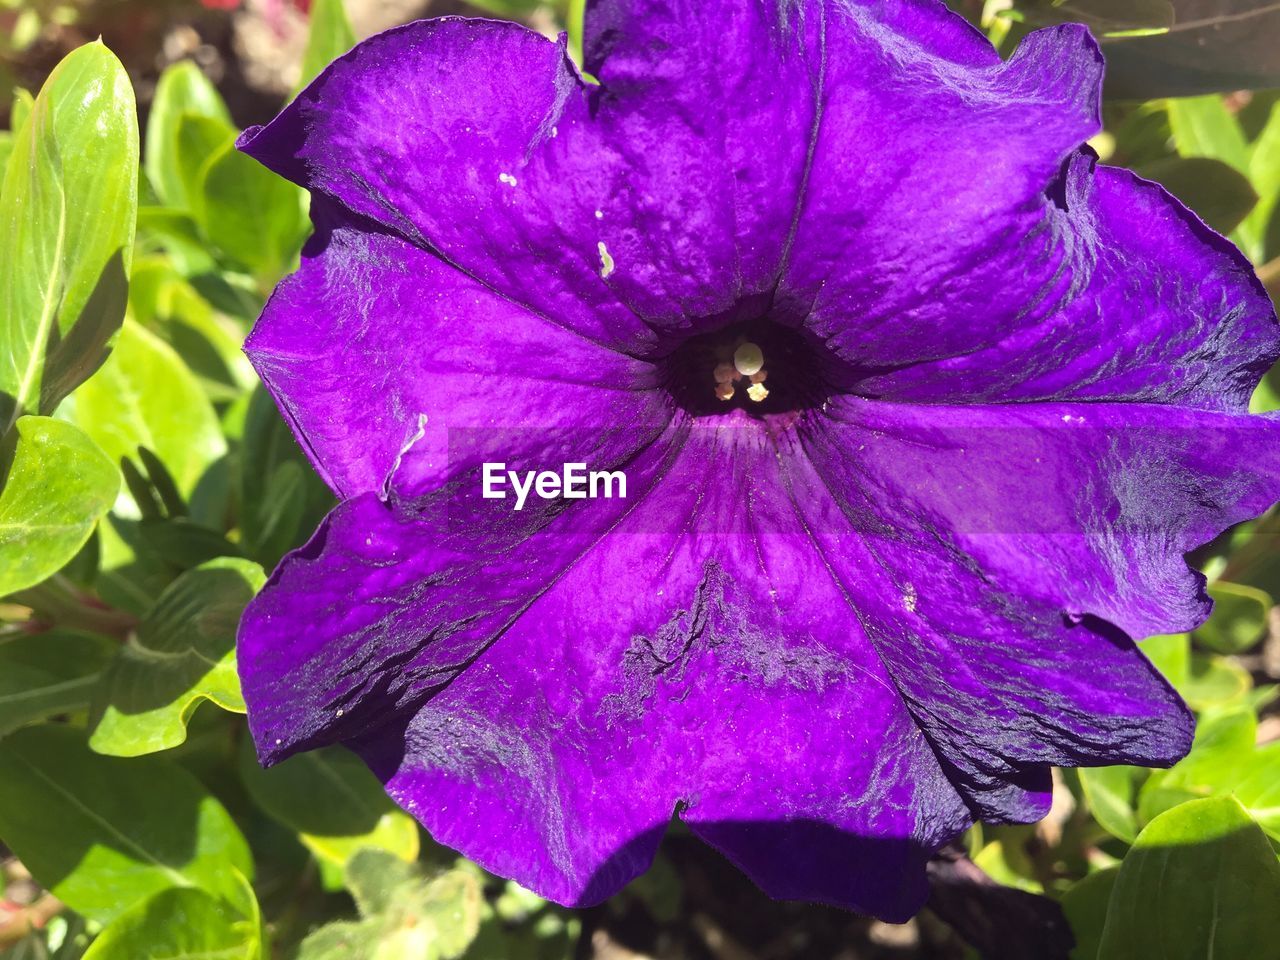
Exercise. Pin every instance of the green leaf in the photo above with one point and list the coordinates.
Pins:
(183, 923)
(67, 215)
(343, 940)
(45, 674)
(1204, 127)
(103, 833)
(1204, 680)
(181, 91)
(333, 802)
(145, 396)
(1264, 174)
(406, 916)
(254, 216)
(20, 112)
(1085, 905)
(1214, 681)
(183, 652)
(331, 36)
(1171, 655)
(1218, 193)
(183, 544)
(59, 484)
(1258, 787)
(199, 137)
(1239, 618)
(175, 233)
(1005, 859)
(161, 299)
(1111, 793)
(1223, 760)
(575, 17)
(1223, 744)
(282, 498)
(1266, 397)
(1201, 881)
(374, 879)
(1224, 741)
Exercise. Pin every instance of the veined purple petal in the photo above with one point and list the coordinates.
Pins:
(698, 656)
(928, 182)
(1129, 297)
(455, 134)
(400, 596)
(380, 354)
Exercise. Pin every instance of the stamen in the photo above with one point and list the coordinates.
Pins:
(748, 359)
(757, 392)
(724, 391)
(725, 373)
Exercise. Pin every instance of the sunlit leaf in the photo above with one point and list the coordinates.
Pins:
(183, 923)
(104, 833)
(145, 396)
(67, 215)
(58, 486)
(254, 216)
(1239, 618)
(406, 916)
(182, 653)
(330, 37)
(1110, 792)
(182, 90)
(1201, 881)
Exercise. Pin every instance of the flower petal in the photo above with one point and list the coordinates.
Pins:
(670, 198)
(1133, 299)
(446, 131)
(706, 115)
(995, 590)
(385, 358)
(696, 656)
(927, 192)
(397, 597)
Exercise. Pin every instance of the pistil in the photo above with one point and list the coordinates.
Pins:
(748, 364)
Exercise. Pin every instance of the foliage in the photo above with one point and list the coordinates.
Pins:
(148, 482)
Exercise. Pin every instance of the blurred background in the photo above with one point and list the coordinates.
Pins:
(213, 485)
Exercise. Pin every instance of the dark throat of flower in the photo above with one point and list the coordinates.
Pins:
(759, 367)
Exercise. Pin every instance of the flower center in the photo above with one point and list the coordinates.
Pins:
(744, 368)
(761, 368)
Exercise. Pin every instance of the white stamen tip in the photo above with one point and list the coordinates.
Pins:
(757, 392)
(748, 359)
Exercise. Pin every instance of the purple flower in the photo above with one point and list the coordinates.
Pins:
(919, 409)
